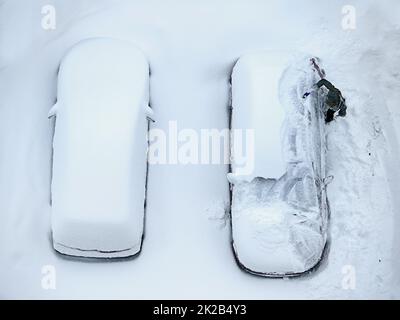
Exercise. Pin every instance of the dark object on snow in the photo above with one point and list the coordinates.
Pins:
(334, 100)
(329, 116)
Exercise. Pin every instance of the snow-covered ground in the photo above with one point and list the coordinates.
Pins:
(192, 47)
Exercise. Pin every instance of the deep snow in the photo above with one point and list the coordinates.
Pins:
(192, 48)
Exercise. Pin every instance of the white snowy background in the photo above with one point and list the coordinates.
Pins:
(192, 47)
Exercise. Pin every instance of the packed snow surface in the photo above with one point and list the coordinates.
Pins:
(191, 48)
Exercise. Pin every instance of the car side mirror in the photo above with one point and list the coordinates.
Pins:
(328, 180)
(53, 111)
(150, 113)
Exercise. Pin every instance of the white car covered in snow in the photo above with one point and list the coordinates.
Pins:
(100, 150)
(279, 211)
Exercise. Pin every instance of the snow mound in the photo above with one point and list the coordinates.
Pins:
(100, 144)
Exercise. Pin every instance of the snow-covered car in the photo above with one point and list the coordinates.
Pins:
(279, 210)
(100, 150)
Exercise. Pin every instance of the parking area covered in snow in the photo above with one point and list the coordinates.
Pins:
(191, 48)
